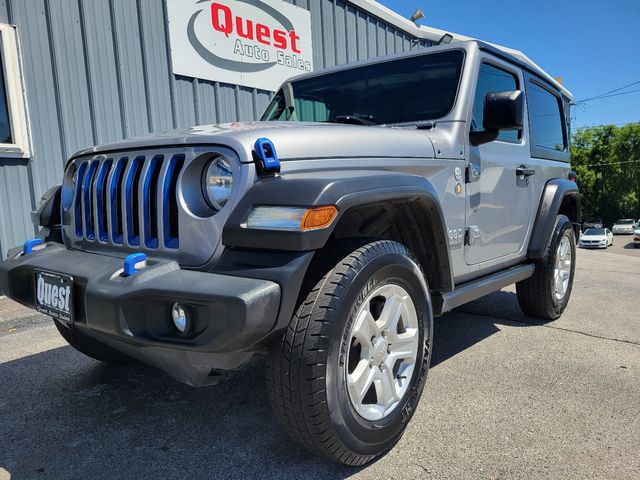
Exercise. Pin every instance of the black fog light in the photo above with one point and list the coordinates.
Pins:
(180, 317)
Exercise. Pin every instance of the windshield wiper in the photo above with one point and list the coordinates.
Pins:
(349, 120)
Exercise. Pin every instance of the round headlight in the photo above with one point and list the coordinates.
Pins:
(217, 183)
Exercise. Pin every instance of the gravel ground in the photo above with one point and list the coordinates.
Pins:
(507, 397)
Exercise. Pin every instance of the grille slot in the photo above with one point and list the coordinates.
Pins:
(77, 208)
(87, 201)
(170, 202)
(116, 200)
(128, 201)
(101, 200)
(132, 203)
(151, 203)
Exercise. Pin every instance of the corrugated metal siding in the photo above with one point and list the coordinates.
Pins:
(99, 70)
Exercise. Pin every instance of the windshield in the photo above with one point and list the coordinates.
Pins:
(405, 90)
(595, 231)
(626, 221)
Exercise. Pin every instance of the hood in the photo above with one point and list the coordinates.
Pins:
(293, 140)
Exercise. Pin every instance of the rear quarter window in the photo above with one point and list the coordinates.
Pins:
(546, 123)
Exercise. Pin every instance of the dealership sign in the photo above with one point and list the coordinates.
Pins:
(255, 43)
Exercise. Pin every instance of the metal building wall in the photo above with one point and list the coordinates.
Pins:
(97, 71)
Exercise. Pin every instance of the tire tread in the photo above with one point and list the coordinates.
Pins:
(534, 295)
(294, 369)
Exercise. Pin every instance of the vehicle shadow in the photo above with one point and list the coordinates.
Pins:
(64, 415)
(630, 246)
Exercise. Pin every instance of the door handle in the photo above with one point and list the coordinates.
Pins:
(525, 172)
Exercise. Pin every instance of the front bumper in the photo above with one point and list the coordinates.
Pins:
(592, 245)
(230, 314)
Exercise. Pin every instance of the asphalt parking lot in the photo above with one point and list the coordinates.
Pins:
(507, 397)
(623, 244)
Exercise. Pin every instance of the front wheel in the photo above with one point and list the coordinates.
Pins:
(347, 376)
(546, 294)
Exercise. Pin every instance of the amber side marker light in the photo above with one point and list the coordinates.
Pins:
(296, 219)
(316, 218)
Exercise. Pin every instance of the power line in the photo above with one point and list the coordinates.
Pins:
(595, 97)
(614, 95)
(610, 164)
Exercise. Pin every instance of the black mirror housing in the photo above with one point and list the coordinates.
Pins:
(504, 110)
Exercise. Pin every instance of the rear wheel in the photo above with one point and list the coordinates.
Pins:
(348, 374)
(89, 346)
(546, 294)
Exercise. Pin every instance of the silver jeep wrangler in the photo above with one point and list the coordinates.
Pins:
(370, 198)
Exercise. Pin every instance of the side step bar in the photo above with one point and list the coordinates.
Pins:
(480, 287)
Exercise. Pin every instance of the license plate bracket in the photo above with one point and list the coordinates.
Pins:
(54, 295)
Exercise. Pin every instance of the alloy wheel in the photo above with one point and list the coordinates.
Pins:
(562, 270)
(382, 352)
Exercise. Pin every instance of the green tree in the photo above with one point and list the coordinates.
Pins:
(607, 161)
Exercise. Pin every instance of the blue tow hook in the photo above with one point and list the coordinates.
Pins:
(266, 152)
(29, 244)
(130, 263)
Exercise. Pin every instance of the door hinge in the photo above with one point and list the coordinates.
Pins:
(472, 173)
(472, 235)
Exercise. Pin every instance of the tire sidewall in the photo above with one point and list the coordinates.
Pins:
(563, 228)
(358, 434)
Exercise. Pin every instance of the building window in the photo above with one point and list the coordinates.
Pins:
(14, 138)
(493, 79)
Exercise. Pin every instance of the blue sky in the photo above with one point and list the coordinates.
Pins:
(593, 45)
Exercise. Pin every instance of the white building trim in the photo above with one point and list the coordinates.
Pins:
(14, 91)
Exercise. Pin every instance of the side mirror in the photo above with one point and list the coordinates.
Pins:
(502, 111)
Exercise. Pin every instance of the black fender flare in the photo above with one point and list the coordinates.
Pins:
(48, 212)
(554, 193)
(345, 189)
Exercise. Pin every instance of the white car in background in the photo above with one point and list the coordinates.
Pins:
(626, 226)
(596, 238)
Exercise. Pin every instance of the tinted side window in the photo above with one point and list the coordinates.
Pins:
(545, 118)
(492, 79)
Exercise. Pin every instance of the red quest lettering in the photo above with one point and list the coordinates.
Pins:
(225, 21)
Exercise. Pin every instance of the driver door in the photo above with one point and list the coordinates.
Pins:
(498, 205)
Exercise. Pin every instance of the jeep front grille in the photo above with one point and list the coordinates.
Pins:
(129, 201)
(148, 200)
